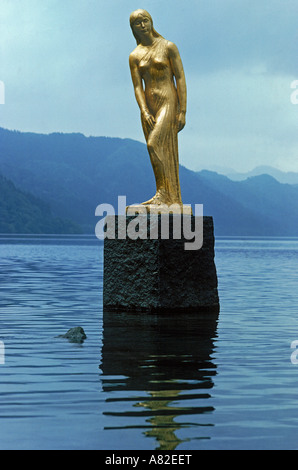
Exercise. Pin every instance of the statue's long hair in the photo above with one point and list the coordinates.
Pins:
(133, 18)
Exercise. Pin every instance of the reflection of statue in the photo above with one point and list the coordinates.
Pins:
(158, 382)
(163, 424)
(156, 63)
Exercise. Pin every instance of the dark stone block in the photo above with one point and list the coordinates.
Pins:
(160, 275)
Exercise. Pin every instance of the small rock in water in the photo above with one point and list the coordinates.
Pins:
(75, 335)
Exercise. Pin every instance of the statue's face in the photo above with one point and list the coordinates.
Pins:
(142, 25)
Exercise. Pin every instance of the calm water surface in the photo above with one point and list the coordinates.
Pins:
(145, 382)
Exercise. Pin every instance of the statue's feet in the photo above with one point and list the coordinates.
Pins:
(150, 201)
(157, 200)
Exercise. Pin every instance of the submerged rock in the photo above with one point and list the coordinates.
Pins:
(75, 335)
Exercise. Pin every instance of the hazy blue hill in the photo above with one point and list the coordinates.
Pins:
(23, 213)
(281, 176)
(73, 174)
(222, 198)
(275, 204)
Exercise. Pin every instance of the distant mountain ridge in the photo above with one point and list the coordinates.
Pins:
(73, 174)
(289, 177)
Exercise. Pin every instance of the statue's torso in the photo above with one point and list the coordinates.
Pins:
(156, 72)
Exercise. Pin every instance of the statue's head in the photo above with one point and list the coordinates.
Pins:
(138, 19)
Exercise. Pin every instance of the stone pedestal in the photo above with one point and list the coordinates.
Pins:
(160, 275)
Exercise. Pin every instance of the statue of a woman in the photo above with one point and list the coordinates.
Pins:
(160, 90)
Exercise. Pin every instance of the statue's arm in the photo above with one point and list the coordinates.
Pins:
(139, 91)
(178, 72)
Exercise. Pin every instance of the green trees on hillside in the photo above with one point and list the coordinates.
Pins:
(23, 213)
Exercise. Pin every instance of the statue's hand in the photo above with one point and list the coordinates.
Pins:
(181, 121)
(149, 119)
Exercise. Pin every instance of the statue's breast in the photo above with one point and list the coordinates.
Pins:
(154, 65)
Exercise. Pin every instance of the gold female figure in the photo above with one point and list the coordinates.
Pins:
(160, 89)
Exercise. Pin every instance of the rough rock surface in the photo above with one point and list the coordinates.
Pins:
(75, 335)
(160, 275)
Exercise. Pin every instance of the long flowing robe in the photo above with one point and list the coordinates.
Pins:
(162, 101)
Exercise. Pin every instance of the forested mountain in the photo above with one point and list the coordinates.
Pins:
(72, 174)
(23, 213)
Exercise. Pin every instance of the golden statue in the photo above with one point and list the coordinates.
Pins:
(160, 89)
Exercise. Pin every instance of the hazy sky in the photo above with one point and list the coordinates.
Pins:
(65, 68)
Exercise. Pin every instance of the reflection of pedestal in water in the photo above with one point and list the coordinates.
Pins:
(159, 367)
(155, 273)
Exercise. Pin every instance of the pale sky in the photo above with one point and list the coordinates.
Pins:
(64, 64)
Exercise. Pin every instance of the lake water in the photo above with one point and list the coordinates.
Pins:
(145, 382)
